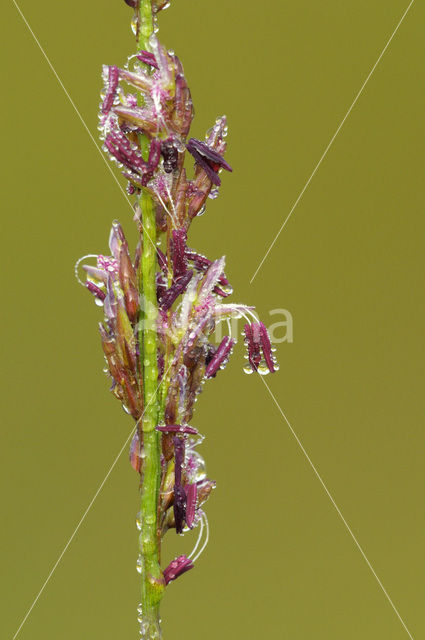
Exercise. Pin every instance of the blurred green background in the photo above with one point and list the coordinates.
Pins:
(348, 266)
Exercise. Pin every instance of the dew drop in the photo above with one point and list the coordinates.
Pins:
(133, 25)
(227, 289)
(263, 369)
(248, 369)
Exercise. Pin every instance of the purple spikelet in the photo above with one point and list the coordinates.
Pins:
(163, 303)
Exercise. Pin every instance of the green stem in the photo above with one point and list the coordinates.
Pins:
(152, 586)
(145, 24)
(149, 542)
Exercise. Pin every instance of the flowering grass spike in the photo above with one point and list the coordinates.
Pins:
(162, 303)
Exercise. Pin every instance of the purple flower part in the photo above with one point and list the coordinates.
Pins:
(161, 286)
(131, 3)
(201, 263)
(216, 136)
(120, 148)
(212, 276)
(208, 153)
(95, 273)
(170, 155)
(179, 450)
(107, 264)
(134, 184)
(175, 290)
(136, 118)
(95, 290)
(266, 347)
(210, 352)
(211, 161)
(142, 81)
(176, 568)
(135, 452)
(154, 154)
(205, 485)
(253, 342)
(130, 100)
(211, 173)
(191, 495)
(178, 253)
(220, 356)
(177, 428)
(164, 64)
(116, 240)
(221, 293)
(110, 303)
(183, 111)
(182, 380)
(204, 318)
(153, 160)
(147, 58)
(161, 365)
(111, 87)
(162, 260)
(179, 507)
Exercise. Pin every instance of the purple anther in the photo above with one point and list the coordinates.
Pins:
(179, 507)
(177, 567)
(146, 56)
(191, 496)
(252, 340)
(95, 290)
(177, 428)
(154, 154)
(211, 161)
(179, 449)
(266, 347)
(220, 356)
(178, 253)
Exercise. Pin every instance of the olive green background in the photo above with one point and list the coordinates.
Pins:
(348, 266)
